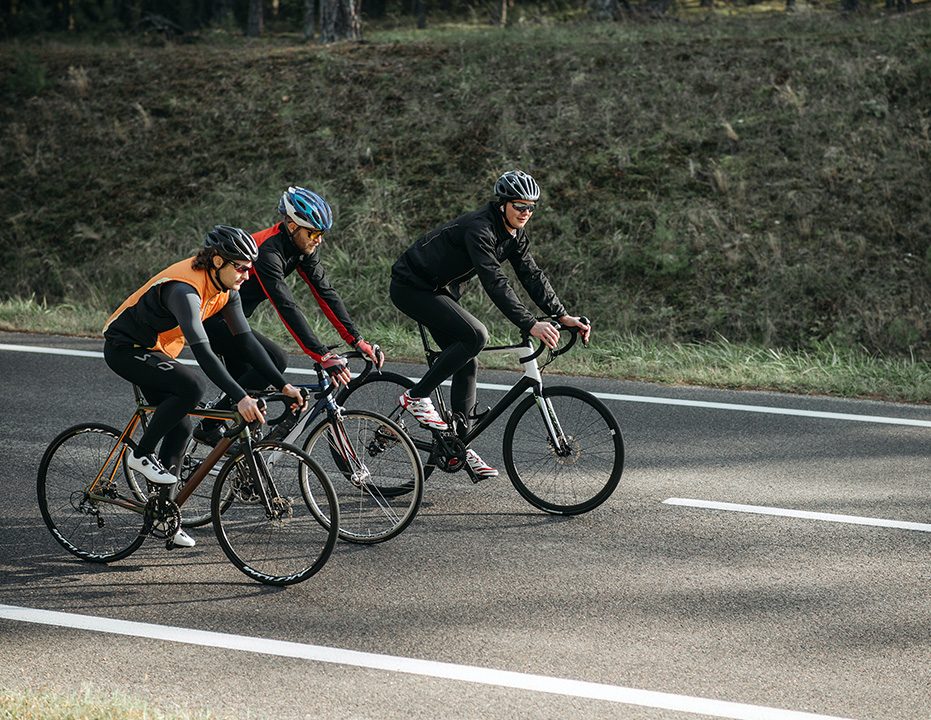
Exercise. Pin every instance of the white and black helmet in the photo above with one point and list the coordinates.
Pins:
(516, 185)
(232, 243)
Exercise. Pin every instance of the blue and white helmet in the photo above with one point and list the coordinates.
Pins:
(306, 208)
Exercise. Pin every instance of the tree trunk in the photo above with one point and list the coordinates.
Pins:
(255, 25)
(602, 10)
(309, 19)
(222, 13)
(421, 10)
(340, 20)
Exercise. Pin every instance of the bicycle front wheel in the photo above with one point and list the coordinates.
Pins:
(375, 470)
(84, 495)
(264, 523)
(579, 468)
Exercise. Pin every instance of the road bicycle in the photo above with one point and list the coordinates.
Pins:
(365, 455)
(563, 448)
(275, 512)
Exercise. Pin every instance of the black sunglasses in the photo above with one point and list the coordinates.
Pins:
(523, 207)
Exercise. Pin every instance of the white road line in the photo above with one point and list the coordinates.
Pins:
(604, 396)
(411, 666)
(804, 514)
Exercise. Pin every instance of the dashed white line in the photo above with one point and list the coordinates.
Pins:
(765, 409)
(804, 514)
(411, 666)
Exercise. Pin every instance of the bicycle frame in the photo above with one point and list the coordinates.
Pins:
(138, 418)
(532, 379)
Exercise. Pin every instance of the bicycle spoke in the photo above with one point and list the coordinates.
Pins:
(266, 525)
(577, 473)
(375, 471)
(82, 491)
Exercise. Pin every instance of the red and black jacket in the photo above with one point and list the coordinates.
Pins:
(278, 258)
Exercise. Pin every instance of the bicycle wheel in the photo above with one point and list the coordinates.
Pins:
(577, 477)
(375, 470)
(380, 393)
(281, 543)
(93, 521)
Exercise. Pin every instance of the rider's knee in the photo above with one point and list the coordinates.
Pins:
(479, 339)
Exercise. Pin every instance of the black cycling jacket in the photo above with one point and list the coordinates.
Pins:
(278, 258)
(475, 244)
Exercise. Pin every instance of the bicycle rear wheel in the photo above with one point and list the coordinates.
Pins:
(375, 470)
(582, 473)
(380, 393)
(92, 520)
(281, 542)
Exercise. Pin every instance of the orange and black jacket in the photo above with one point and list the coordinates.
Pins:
(278, 258)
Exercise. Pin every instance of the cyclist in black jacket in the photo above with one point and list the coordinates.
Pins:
(425, 285)
(291, 245)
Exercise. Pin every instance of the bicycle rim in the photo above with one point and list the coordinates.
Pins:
(89, 525)
(281, 543)
(582, 473)
(375, 470)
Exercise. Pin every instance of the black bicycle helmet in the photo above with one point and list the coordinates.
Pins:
(516, 185)
(232, 243)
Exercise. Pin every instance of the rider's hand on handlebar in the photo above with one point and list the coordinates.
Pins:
(337, 368)
(546, 332)
(293, 392)
(585, 331)
(248, 407)
(372, 351)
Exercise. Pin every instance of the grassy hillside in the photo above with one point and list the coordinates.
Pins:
(760, 180)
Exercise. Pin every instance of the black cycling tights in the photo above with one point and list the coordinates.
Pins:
(460, 335)
(224, 345)
(174, 388)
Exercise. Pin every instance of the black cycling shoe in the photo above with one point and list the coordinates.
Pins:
(208, 436)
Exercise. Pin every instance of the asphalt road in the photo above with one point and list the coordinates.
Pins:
(771, 612)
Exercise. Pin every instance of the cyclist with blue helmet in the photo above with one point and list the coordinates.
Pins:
(425, 285)
(291, 245)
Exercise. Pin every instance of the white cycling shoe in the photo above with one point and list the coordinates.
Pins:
(423, 411)
(182, 539)
(151, 469)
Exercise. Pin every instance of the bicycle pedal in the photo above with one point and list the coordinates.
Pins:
(473, 476)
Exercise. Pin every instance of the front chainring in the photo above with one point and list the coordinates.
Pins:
(162, 517)
(449, 453)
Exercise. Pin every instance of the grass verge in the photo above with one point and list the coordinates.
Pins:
(84, 705)
(825, 370)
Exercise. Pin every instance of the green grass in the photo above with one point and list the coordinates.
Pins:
(86, 705)
(825, 370)
(757, 179)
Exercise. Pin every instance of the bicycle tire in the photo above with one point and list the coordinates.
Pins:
(285, 547)
(568, 484)
(380, 393)
(93, 530)
(375, 470)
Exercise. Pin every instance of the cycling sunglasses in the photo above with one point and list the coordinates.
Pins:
(523, 207)
(241, 269)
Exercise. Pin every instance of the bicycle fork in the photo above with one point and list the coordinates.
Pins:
(553, 429)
